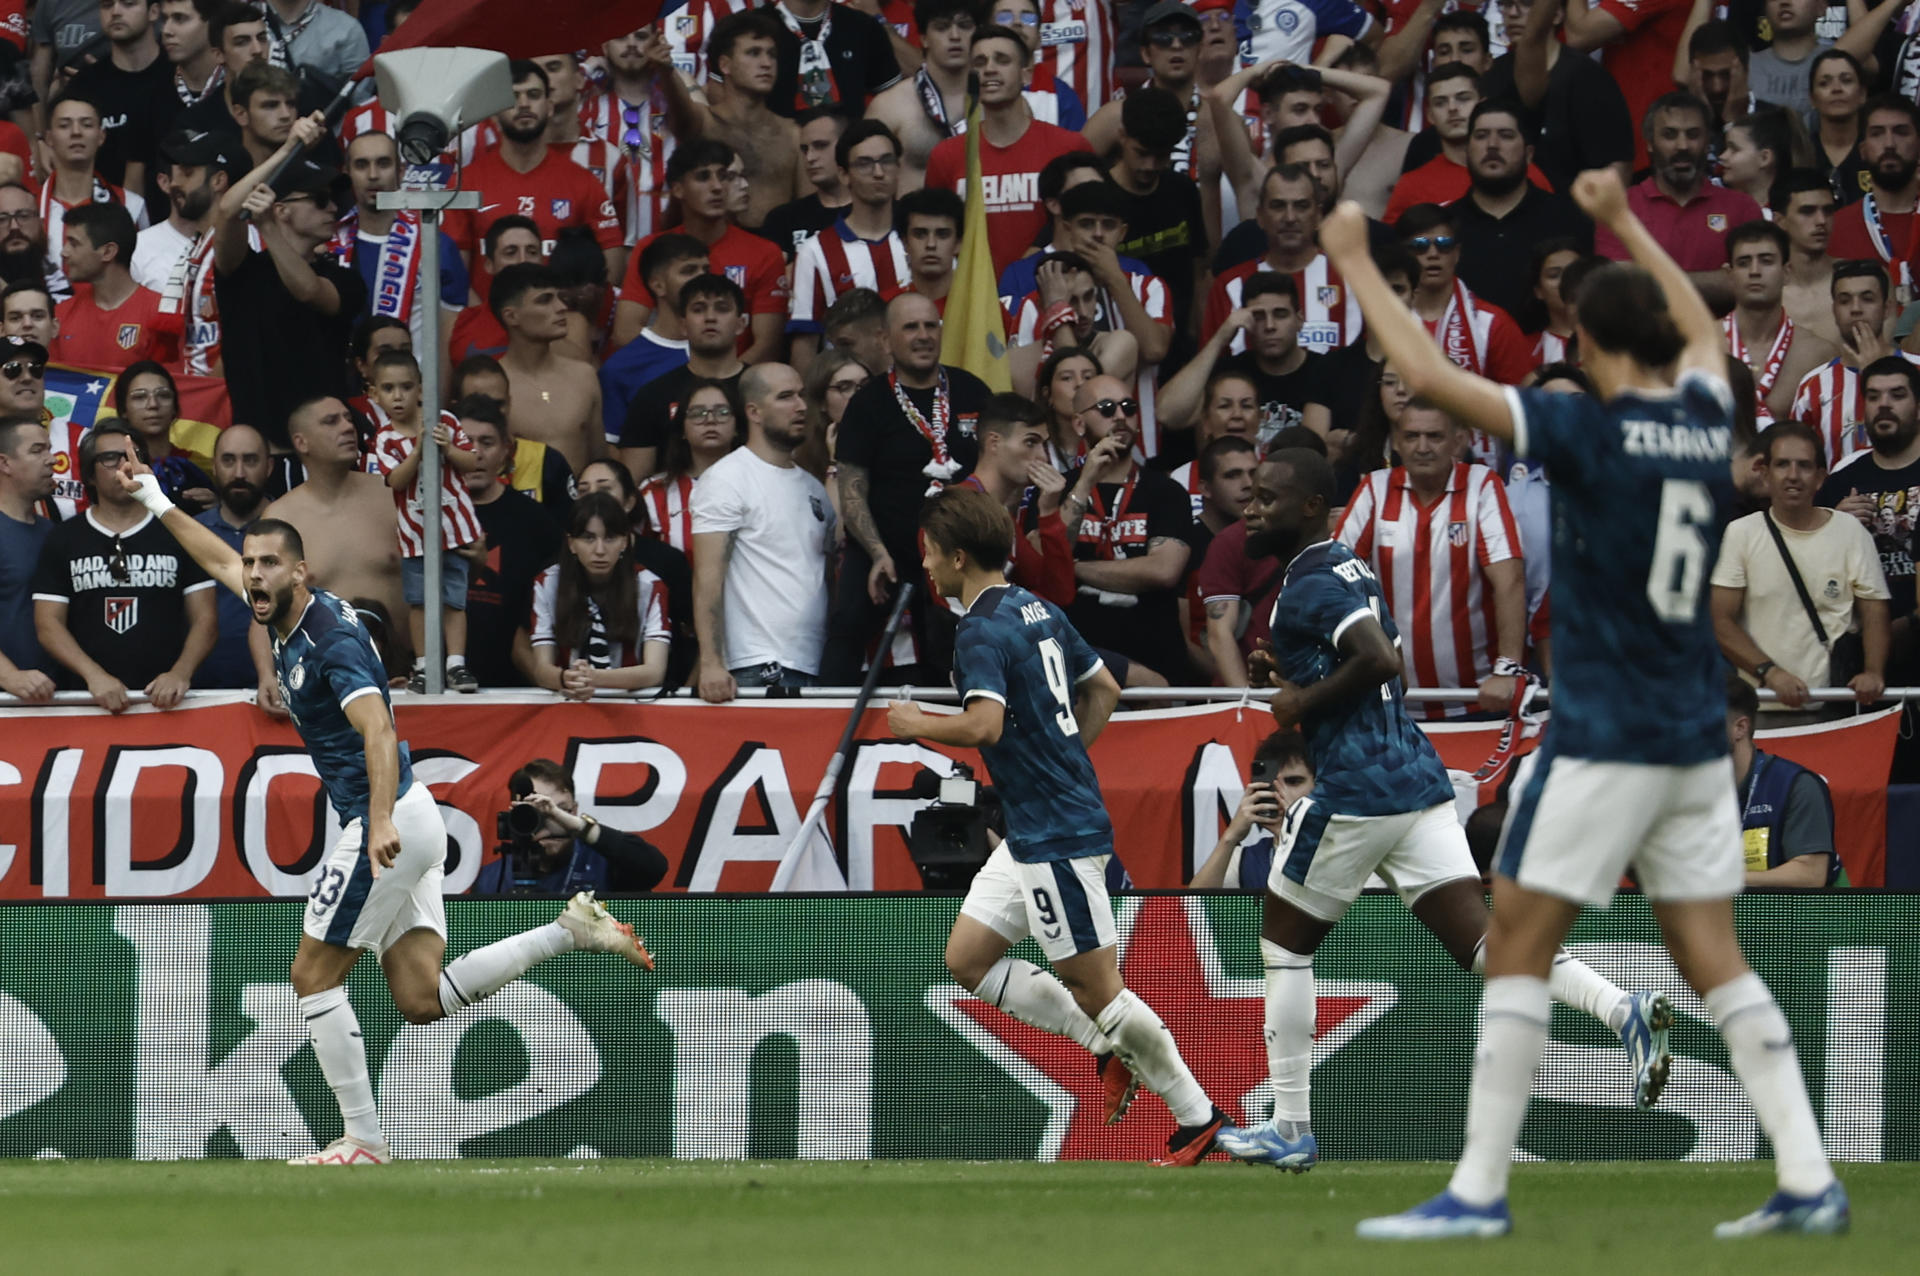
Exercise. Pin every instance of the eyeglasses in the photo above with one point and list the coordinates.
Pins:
(1421, 243)
(1167, 38)
(14, 369)
(117, 565)
(20, 217)
(1117, 407)
(720, 412)
(875, 163)
(1008, 18)
(150, 396)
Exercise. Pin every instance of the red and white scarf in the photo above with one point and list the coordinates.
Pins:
(1459, 336)
(1896, 262)
(189, 297)
(941, 468)
(103, 193)
(1769, 375)
(396, 277)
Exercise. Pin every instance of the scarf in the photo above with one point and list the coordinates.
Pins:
(941, 468)
(396, 277)
(1883, 245)
(935, 105)
(599, 653)
(1458, 336)
(1768, 376)
(102, 194)
(813, 84)
(189, 296)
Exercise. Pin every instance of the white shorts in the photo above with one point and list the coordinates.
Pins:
(348, 906)
(1062, 903)
(1576, 825)
(1323, 860)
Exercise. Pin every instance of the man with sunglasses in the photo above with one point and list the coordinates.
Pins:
(116, 603)
(1129, 526)
(1475, 333)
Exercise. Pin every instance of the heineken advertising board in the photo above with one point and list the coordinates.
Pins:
(827, 1027)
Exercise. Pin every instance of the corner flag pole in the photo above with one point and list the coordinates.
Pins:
(812, 828)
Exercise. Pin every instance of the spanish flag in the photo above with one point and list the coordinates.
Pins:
(974, 336)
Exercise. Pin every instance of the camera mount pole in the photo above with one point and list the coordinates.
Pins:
(817, 812)
(430, 203)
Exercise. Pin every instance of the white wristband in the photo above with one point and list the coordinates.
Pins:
(146, 490)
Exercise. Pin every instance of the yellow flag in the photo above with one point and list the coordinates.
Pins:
(974, 336)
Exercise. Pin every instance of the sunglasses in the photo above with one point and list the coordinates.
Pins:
(1421, 243)
(1169, 39)
(117, 565)
(14, 369)
(1117, 407)
(1008, 18)
(630, 116)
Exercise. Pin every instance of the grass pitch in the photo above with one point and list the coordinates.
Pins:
(675, 1217)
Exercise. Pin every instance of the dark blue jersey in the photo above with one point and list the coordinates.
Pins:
(1020, 650)
(327, 663)
(1368, 758)
(1641, 491)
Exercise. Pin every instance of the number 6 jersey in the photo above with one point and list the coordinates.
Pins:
(1019, 649)
(1641, 491)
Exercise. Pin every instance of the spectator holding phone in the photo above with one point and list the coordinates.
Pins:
(1281, 775)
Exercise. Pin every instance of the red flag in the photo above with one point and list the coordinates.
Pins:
(504, 26)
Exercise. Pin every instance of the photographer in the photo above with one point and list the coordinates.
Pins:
(1281, 775)
(549, 849)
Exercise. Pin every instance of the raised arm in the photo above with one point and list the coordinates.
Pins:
(219, 559)
(1590, 27)
(1370, 104)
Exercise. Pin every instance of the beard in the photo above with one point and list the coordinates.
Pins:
(194, 204)
(241, 496)
(1898, 436)
(1501, 184)
(1270, 543)
(521, 136)
(282, 604)
(19, 262)
(1893, 172)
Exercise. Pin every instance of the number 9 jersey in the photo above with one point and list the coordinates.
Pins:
(1021, 651)
(1641, 491)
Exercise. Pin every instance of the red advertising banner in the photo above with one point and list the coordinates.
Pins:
(217, 801)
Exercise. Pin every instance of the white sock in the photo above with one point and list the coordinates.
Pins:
(335, 1034)
(1034, 997)
(456, 661)
(1760, 1045)
(1150, 1051)
(419, 664)
(1513, 1035)
(485, 971)
(1574, 983)
(1289, 1033)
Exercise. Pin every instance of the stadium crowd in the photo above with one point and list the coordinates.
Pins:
(692, 336)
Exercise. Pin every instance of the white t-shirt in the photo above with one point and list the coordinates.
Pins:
(155, 254)
(775, 605)
(1838, 563)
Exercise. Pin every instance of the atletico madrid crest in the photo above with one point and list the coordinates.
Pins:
(562, 209)
(1329, 295)
(129, 335)
(1456, 534)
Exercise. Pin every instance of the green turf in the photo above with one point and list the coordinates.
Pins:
(533, 1218)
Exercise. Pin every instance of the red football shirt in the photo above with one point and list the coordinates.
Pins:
(476, 331)
(1641, 61)
(1011, 176)
(742, 256)
(557, 193)
(1850, 239)
(1694, 233)
(113, 340)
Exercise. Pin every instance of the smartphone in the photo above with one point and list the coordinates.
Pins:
(1265, 771)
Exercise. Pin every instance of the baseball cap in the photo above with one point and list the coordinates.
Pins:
(195, 148)
(305, 177)
(1169, 11)
(15, 347)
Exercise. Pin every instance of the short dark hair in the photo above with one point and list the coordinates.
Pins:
(1283, 80)
(1154, 118)
(704, 152)
(1537, 260)
(1623, 309)
(668, 249)
(1755, 231)
(262, 76)
(396, 359)
(1215, 452)
(472, 366)
(1043, 379)
(928, 12)
(1465, 20)
(1312, 473)
(527, 69)
(858, 132)
(107, 224)
(481, 407)
(1717, 36)
(1395, 258)
(231, 13)
(1451, 71)
(1288, 137)
(1855, 268)
(490, 242)
(1297, 436)
(1743, 701)
(515, 282)
(1285, 173)
(1423, 219)
(577, 259)
(1100, 198)
(855, 305)
(1576, 274)
(929, 201)
(1782, 430)
(831, 111)
(718, 287)
(12, 424)
(289, 535)
(971, 522)
(1563, 372)
(1522, 120)
(1005, 413)
(1678, 100)
(1270, 283)
(123, 384)
(1892, 366)
(545, 770)
(1054, 173)
(1889, 102)
(1799, 181)
(112, 427)
(735, 27)
(1284, 747)
(368, 328)
(31, 283)
(994, 31)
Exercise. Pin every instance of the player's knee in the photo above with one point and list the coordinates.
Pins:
(966, 967)
(309, 978)
(418, 1008)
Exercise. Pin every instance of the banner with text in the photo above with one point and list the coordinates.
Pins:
(826, 1026)
(218, 801)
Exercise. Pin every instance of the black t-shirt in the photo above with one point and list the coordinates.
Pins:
(133, 624)
(1283, 397)
(212, 115)
(1349, 372)
(1897, 493)
(1496, 255)
(1167, 230)
(876, 435)
(133, 114)
(277, 352)
(789, 225)
(1147, 628)
(654, 417)
(523, 539)
(1583, 121)
(858, 51)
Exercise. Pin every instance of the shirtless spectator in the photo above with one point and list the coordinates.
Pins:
(741, 51)
(946, 35)
(508, 242)
(556, 400)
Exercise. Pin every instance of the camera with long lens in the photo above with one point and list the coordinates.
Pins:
(953, 837)
(518, 828)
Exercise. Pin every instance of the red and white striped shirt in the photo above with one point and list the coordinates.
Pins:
(639, 132)
(459, 524)
(1429, 561)
(836, 261)
(1830, 403)
(650, 597)
(606, 162)
(668, 505)
(1158, 302)
(1332, 313)
(1077, 46)
(688, 28)
(1551, 348)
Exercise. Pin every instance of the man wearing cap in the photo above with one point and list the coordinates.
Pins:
(286, 308)
(383, 244)
(1170, 36)
(174, 257)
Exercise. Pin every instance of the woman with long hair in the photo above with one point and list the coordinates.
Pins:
(1060, 377)
(599, 618)
(1372, 446)
(831, 380)
(711, 423)
(147, 401)
(1757, 154)
(1838, 84)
